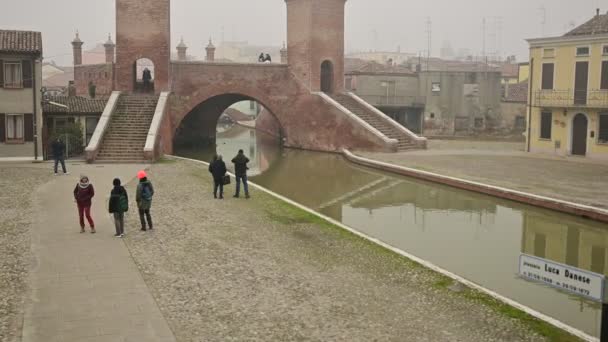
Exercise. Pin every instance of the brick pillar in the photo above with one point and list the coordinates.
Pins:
(77, 49)
(284, 54)
(210, 52)
(181, 50)
(110, 47)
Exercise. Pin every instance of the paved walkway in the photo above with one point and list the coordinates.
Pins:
(571, 179)
(86, 287)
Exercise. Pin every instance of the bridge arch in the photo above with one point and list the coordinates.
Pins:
(197, 126)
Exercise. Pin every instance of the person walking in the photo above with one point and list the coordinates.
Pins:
(240, 171)
(58, 148)
(119, 205)
(83, 195)
(217, 168)
(143, 197)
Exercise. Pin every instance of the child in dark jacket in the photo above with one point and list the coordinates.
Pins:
(119, 204)
(83, 194)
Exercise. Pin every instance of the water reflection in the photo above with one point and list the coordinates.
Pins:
(475, 236)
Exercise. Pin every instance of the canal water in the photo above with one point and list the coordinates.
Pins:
(476, 236)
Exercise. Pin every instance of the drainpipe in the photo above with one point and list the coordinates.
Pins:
(530, 91)
(35, 108)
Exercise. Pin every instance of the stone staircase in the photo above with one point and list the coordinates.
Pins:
(386, 128)
(128, 130)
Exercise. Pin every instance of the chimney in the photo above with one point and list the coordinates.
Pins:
(284, 54)
(181, 50)
(109, 45)
(210, 52)
(597, 12)
(77, 49)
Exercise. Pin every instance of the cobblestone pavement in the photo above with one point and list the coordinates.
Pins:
(84, 287)
(258, 270)
(503, 164)
(16, 219)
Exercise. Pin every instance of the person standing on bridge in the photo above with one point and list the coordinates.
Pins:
(143, 197)
(83, 195)
(147, 78)
(267, 59)
(261, 58)
(240, 171)
(217, 168)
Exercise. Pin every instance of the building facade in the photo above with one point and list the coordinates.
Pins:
(569, 83)
(20, 84)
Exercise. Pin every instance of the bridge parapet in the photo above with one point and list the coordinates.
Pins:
(152, 149)
(92, 149)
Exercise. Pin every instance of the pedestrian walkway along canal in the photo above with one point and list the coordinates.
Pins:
(472, 235)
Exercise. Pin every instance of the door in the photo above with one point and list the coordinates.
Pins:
(581, 79)
(327, 77)
(579, 135)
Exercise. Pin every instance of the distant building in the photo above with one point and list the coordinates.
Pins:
(20, 84)
(569, 103)
(383, 57)
(55, 79)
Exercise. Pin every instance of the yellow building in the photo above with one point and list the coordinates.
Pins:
(524, 72)
(569, 87)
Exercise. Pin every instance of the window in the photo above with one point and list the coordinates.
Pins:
(478, 122)
(520, 122)
(604, 76)
(14, 127)
(602, 136)
(547, 81)
(549, 53)
(605, 50)
(471, 78)
(545, 125)
(13, 76)
(582, 51)
(436, 87)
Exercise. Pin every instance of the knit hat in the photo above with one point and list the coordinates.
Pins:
(141, 174)
(116, 182)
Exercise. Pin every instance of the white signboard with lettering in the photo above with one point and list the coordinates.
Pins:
(580, 282)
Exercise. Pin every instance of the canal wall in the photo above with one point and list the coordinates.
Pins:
(429, 265)
(514, 195)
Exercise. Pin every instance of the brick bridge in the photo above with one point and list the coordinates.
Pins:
(304, 98)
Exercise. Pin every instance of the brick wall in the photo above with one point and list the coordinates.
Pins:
(102, 75)
(142, 31)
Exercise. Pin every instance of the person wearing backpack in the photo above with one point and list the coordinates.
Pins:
(119, 205)
(143, 196)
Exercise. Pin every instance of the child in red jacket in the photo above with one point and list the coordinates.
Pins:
(83, 194)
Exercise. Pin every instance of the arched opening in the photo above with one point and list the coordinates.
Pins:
(144, 76)
(225, 124)
(327, 77)
(579, 135)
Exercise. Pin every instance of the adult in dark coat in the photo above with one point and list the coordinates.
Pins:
(240, 171)
(58, 149)
(147, 78)
(217, 168)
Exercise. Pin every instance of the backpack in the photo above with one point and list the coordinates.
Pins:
(146, 192)
(123, 203)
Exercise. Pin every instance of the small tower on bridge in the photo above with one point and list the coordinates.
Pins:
(210, 52)
(181, 50)
(77, 49)
(110, 48)
(284, 57)
(143, 40)
(315, 43)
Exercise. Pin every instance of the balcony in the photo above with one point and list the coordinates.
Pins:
(394, 101)
(571, 99)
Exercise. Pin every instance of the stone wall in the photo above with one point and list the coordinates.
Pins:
(513, 117)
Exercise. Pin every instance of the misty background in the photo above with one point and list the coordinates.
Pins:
(370, 24)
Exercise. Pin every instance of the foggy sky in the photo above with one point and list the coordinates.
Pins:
(370, 24)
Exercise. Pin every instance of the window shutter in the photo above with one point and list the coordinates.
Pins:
(1, 73)
(604, 82)
(2, 129)
(547, 82)
(26, 69)
(28, 129)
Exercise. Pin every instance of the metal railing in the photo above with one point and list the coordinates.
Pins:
(392, 100)
(571, 98)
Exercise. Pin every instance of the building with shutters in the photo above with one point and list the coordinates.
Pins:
(568, 106)
(20, 83)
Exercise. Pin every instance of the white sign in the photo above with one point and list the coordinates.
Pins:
(580, 282)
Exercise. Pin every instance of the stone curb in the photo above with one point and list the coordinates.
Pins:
(427, 264)
(572, 208)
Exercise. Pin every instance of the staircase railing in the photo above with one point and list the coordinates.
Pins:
(418, 140)
(102, 126)
(152, 149)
